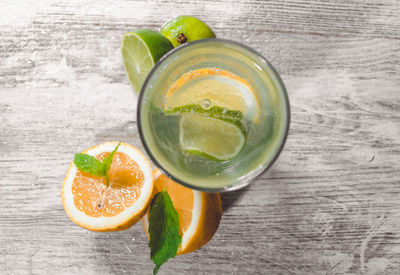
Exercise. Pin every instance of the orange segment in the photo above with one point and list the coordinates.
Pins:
(199, 212)
(94, 204)
(125, 171)
(87, 190)
(185, 218)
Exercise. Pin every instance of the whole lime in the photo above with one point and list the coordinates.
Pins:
(184, 29)
(141, 49)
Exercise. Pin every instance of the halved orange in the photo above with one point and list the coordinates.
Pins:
(199, 212)
(94, 204)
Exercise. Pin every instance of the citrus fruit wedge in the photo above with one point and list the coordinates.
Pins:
(214, 111)
(214, 138)
(199, 212)
(140, 50)
(98, 205)
(213, 87)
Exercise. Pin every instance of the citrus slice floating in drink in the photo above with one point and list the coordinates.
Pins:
(140, 50)
(213, 87)
(94, 204)
(214, 138)
(214, 111)
(199, 212)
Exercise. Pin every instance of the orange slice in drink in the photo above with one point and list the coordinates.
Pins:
(94, 204)
(209, 87)
(199, 212)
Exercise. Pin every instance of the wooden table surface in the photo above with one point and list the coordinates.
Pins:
(329, 205)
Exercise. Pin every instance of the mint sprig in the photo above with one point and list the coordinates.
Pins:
(163, 229)
(93, 166)
(107, 161)
(89, 164)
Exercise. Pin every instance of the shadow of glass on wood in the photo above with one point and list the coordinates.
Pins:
(230, 198)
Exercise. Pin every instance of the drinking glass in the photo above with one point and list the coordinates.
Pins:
(265, 138)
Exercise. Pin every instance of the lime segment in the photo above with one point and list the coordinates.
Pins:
(210, 137)
(140, 50)
(214, 111)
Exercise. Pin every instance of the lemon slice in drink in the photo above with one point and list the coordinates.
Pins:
(216, 87)
(214, 138)
(140, 50)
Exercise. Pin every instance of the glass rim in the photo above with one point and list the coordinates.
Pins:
(238, 185)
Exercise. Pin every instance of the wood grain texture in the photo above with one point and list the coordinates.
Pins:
(329, 205)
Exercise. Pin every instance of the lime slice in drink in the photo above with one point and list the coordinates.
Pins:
(214, 111)
(140, 50)
(214, 138)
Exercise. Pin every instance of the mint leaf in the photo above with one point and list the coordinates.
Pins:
(93, 166)
(163, 229)
(107, 161)
(89, 164)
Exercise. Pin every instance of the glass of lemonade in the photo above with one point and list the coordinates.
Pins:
(213, 114)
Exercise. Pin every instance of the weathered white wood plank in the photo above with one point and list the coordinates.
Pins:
(330, 204)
